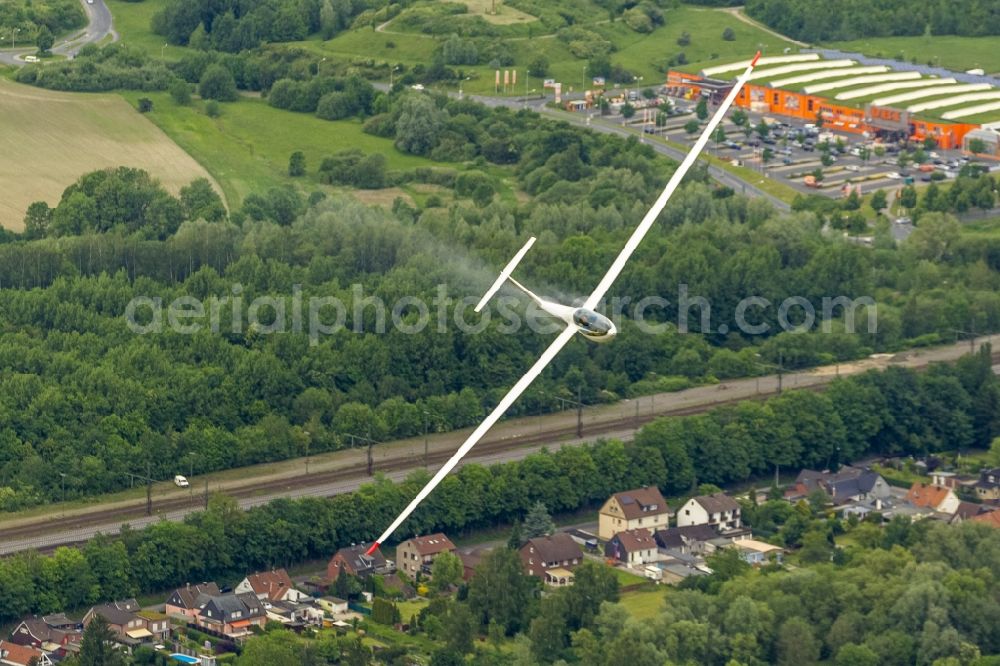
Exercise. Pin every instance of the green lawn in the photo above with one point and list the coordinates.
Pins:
(645, 55)
(131, 21)
(644, 604)
(625, 578)
(958, 53)
(246, 149)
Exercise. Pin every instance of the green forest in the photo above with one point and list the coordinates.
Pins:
(22, 20)
(813, 21)
(84, 392)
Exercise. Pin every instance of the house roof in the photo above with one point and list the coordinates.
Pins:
(358, 560)
(846, 483)
(633, 540)
(58, 620)
(272, 584)
(756, 546)
(18, 654)
(717, 502)
(676, 537)
(117, 612)
(232, 603)
(189, 594)
(967, 510)
(991, 518)
(557, 547)
(432, 544)
(926, 495)
(642, 502)
(37, 628)
(471, 559)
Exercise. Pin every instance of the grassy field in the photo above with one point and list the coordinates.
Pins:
(246, 149)
(959, 53)
(644, 604)
(131, 21)
(505, 15)
(645, 55)
(45, 151)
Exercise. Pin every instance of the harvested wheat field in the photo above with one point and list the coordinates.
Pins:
(49, 139)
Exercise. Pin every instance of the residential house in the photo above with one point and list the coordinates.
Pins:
(416, 555)
(232, 614)
(633, 547)
(470, 560)
(935, 498)
(131, 625)
(189, 599)
(687, 540)
(988, 485)
(757, 552)
(965, 511)
(355, 561)
(53, 634)
(551, 558)
(991, 518)
(271, 586)
(718, 510)
(14, 654)
(846, 486)
(633, 509)
(333, 605)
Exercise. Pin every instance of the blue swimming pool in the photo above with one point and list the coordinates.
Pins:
(184, 659)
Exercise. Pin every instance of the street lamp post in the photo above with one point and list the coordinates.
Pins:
(13, 32)
(63, 480)
(308, 438)
(161, 51)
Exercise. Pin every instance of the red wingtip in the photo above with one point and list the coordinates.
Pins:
(753, 63)
(373, 548)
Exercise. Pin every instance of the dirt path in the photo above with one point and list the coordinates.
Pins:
(737, 12)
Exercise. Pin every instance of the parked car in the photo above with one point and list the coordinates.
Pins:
(181, 481)
(852, 167)
(894, 175)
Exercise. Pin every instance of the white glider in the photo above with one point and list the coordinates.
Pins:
(583, 320)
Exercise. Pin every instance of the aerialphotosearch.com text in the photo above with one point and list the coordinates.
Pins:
(320, 316)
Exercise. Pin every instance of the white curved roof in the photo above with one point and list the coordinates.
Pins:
(953, 101)
(828, 74)
(971, 110)
(858, 80)
(931, 92)
(818, 65)
(769, 60)
(886, 87)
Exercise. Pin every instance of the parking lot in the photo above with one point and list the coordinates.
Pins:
(796, 152)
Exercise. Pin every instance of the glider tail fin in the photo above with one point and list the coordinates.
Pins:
(505, 275)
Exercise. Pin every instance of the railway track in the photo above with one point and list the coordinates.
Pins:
(401, 461)
(396, 460)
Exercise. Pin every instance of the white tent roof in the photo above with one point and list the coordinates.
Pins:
(768, 60)
(829, 74)
(953, 101)
(931, 92)
(803, 67)
(887, 87)
(971, 110)
(859, 80)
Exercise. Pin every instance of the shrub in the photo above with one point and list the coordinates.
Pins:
(145, 105)
(213, 109)
(180, 92)
(217, 83)
(728, 34)
(297, 164)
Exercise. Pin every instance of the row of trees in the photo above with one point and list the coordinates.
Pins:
(897, 411)
(126, 199)
(860, 19)
(237, 26)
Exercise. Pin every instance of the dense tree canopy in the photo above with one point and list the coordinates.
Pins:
(858, 19)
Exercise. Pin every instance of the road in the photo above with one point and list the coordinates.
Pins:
(513, 439)
(98, 27)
